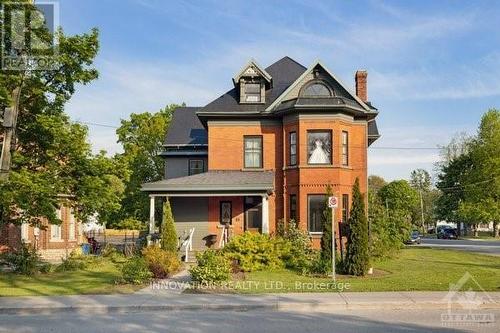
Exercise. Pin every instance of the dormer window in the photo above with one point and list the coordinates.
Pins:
(252, 92)
(252, 82)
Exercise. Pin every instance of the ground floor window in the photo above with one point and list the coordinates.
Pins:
(293, 207)
(345, 207)
(315, 207)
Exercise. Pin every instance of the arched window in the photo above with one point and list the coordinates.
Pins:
(317, 89)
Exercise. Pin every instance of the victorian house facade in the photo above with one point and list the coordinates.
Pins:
(265, 152)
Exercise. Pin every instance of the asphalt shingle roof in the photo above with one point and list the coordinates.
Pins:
(215, 180)
(284, 72)
(186, 128)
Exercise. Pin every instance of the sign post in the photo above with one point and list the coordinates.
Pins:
(333, 203)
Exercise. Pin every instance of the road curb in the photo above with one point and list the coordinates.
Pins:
(275, 306)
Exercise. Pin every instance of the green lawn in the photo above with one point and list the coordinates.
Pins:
(95, 280)
(417, 269)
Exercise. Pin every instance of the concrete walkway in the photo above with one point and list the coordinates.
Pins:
(164, 301)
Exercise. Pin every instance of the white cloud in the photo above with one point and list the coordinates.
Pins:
(480, 79)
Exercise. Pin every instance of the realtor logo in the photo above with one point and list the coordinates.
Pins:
(465, 306)
(29, 35)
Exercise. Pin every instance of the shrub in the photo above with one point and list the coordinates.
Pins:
(46, 268)
(24, 261)
(356, 260)
(113, 254)
(160, 262)
(255, 251)
(136, 271)
(296, 251)
(72, 263)
(77, 262)
(168, 233)
(212, 266)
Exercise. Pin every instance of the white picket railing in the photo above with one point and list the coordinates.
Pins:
(187, 244)
(224, 235)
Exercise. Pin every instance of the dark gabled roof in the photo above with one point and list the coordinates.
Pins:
(284, 72)
(215, 181)
(186, 128)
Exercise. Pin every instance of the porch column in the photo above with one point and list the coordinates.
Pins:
(265, 214)
(151, 214)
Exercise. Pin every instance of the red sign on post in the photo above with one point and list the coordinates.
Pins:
(333, 202)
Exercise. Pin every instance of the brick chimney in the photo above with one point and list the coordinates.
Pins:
(361, 89)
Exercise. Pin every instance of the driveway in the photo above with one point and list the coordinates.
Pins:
(479, 246)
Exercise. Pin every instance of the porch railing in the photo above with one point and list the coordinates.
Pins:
(187, 244)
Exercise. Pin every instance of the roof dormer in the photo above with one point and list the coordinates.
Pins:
(252, 82)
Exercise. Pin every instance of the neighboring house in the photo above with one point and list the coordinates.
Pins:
(266, 151)
(52, 242)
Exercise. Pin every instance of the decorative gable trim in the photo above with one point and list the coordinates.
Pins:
(278, 100)
(252, 68)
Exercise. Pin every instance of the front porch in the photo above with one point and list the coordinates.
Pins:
(215, 204)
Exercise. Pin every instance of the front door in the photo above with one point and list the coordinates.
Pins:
(253, 214)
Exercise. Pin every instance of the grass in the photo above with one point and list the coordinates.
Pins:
(414, 269)
(98, 279)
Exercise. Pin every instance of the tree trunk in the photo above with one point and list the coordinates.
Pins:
(476, 232)
(496, 229)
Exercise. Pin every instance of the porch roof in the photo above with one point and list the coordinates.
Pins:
(215, 182)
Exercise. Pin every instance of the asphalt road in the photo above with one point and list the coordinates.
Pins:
(387, 321)
(479, 246)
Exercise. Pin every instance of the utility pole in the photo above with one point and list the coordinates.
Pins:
(9, 124)
(422, 211)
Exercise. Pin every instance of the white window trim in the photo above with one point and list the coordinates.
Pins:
(72, 225)
(52, 226)
(24, 233)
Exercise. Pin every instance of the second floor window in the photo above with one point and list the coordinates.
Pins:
(253, 151)
(195, 167)
(345, 148)
(293, 148)
(319, 147)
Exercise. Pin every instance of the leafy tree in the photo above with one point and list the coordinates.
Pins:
(357, 258)
(168, 232)
(400, 200)
(470, 181)
(326, 238)
(375, 183)
(51, 156)
(385, 237)
(420, 180)
(399, 195)
(142, 138)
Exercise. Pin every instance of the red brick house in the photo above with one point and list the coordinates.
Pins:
(266, 151)
(52, 242)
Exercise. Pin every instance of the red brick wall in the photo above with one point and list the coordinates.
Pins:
(226, 153)
(10, 237)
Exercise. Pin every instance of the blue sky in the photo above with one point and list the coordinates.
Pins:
(433, 66)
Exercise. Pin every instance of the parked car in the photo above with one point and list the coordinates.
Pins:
(414, 238)
(447, 233)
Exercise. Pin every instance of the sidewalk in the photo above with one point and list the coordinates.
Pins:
(164, 301)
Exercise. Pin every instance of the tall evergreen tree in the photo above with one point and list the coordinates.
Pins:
(357, 259)
(168, 233)
(326, 238)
